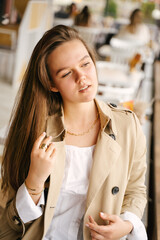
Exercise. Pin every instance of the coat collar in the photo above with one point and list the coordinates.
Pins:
(106, 116)
(55, 123)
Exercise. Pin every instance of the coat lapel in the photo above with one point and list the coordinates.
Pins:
(55, 128)
(105, 156)
(56, 179)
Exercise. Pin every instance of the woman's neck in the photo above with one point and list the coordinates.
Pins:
(82, 124)
(132, 28)
(79, 115)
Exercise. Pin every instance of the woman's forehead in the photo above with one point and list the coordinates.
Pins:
(70, 47)
(68, 53)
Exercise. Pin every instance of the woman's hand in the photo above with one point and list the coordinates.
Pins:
(42, 161)
(115, 229)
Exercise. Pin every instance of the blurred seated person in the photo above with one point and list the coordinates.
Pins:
(83, 18)
(136, 31)
(72, 10)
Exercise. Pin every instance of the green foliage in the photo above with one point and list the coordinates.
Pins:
(147, 9)
(110, 8)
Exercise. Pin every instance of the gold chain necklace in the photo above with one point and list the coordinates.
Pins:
(87, 131)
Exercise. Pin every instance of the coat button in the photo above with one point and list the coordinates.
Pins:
(115, 190)
(112, 136)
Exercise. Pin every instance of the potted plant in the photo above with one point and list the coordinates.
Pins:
(110, 8)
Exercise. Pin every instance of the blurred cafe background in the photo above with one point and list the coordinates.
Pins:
(125, 35)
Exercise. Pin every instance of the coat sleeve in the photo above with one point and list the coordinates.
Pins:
(11, 225)
(135, 194)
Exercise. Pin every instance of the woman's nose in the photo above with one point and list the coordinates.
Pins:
(81, 78)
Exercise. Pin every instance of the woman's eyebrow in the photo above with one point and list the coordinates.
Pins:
(61, 69)
(86, 56)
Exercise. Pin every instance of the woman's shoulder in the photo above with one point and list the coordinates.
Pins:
(114, 108)
(122, 114)
(118, 114)
(119, 108)
(126, 121)
(122, 120)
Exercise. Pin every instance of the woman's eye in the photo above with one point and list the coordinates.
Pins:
(85, 64)
(66, 74)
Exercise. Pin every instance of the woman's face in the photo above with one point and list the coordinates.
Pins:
(73, 72)
(138, 18)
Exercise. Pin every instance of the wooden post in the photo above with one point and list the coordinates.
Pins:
(157, 146)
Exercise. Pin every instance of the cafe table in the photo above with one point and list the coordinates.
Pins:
(116, 82)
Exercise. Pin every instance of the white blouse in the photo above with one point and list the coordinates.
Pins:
(141, 36)
(67, 222)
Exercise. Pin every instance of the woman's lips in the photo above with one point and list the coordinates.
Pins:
(84, 88)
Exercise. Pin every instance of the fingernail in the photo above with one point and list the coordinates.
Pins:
(44, 133)
(87, 225)
(102, 214)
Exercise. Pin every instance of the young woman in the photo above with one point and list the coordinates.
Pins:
(136, 31)
(73, 167)
(83, 18)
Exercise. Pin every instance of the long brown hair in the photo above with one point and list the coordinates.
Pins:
(133, 14)
(34, 102)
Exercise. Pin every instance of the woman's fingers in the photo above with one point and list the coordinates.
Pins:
(97, 228)
(116, 228)
(105, 216)
(92, 220)
(94, 227)
(43, 143)
(96, 236)
(109, 218)
(39, 141)
(42, 160)
(50, 150)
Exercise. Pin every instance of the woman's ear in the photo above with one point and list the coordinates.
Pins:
(54, 89)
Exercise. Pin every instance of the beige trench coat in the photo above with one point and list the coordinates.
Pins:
(116, 180)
